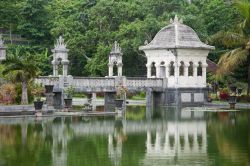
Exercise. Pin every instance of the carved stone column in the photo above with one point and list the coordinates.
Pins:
(185, 70)
(195, 73)
(176, 74)
(195, 69)
(110, 70)
(148, 71)
(55, 68)
(119, 66)
(158, 70)
(167, 70)
(65, 64)
(204, 73)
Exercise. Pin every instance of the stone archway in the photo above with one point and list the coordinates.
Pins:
(153, 70)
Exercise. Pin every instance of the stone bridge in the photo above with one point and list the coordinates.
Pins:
(154, 87)
(104, 84)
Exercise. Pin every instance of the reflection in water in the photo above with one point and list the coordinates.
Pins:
(115, 151)
(161, 137)
(178, 141)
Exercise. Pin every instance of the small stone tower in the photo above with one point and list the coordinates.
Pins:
(115, 59)
(60, 57)
(2, 49)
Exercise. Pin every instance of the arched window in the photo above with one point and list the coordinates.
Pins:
(171, 69)
(190, 69)
(153, 69)
(60, 66)
(181, 69)
(199, 69)
(115, 69)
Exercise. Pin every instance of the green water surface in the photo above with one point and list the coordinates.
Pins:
(166, 136)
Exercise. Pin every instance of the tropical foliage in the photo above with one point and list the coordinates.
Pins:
(21, 67)
(91, 26)
(237, 41)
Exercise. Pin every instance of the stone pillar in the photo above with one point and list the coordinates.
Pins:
(176, 74)
(158, 71)
(49, 99)
(148, 71)
(195, 73)
(167, 70)
(65, 64)
(204, 74)
(58, 100)
(158, 99)
(110, 70)
(109, 101)
(55, 68)
(186, 70)
(149, 97)
(119, 68)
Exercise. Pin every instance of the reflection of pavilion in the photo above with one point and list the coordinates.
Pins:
(183, 142)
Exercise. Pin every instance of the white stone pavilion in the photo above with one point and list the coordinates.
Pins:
(177, 54)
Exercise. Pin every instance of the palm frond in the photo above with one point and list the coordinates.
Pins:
(243, 7)
(228, 39)
(231, 60)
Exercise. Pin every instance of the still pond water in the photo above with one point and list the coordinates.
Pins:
(142, 137)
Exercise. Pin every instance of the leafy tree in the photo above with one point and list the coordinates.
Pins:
(237, 41)
(22, 67)
(33, 22)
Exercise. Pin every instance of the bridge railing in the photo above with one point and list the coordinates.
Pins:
(93, 82)
(142, 82)
(102, 84)
(47, 80)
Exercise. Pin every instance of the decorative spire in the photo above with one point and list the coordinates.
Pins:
(60, 43)
(175, 20)
(146, 42)
(116, 49)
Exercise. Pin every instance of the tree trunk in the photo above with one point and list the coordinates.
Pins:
(24, 93)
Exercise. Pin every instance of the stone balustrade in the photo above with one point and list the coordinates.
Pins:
(47, 80)
(142, 83)
(104, 84)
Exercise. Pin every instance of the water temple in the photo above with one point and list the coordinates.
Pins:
(176, 70)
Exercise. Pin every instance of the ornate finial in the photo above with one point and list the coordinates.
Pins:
(60, 43)
(116, 48)
(176, 20)
(146, 42)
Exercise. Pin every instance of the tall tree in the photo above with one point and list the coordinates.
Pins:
(23, 68)
(237, 41)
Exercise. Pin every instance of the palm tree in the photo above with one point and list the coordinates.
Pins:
(22, 68)
(237, 41)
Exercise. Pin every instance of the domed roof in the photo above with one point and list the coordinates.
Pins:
(176, 35)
